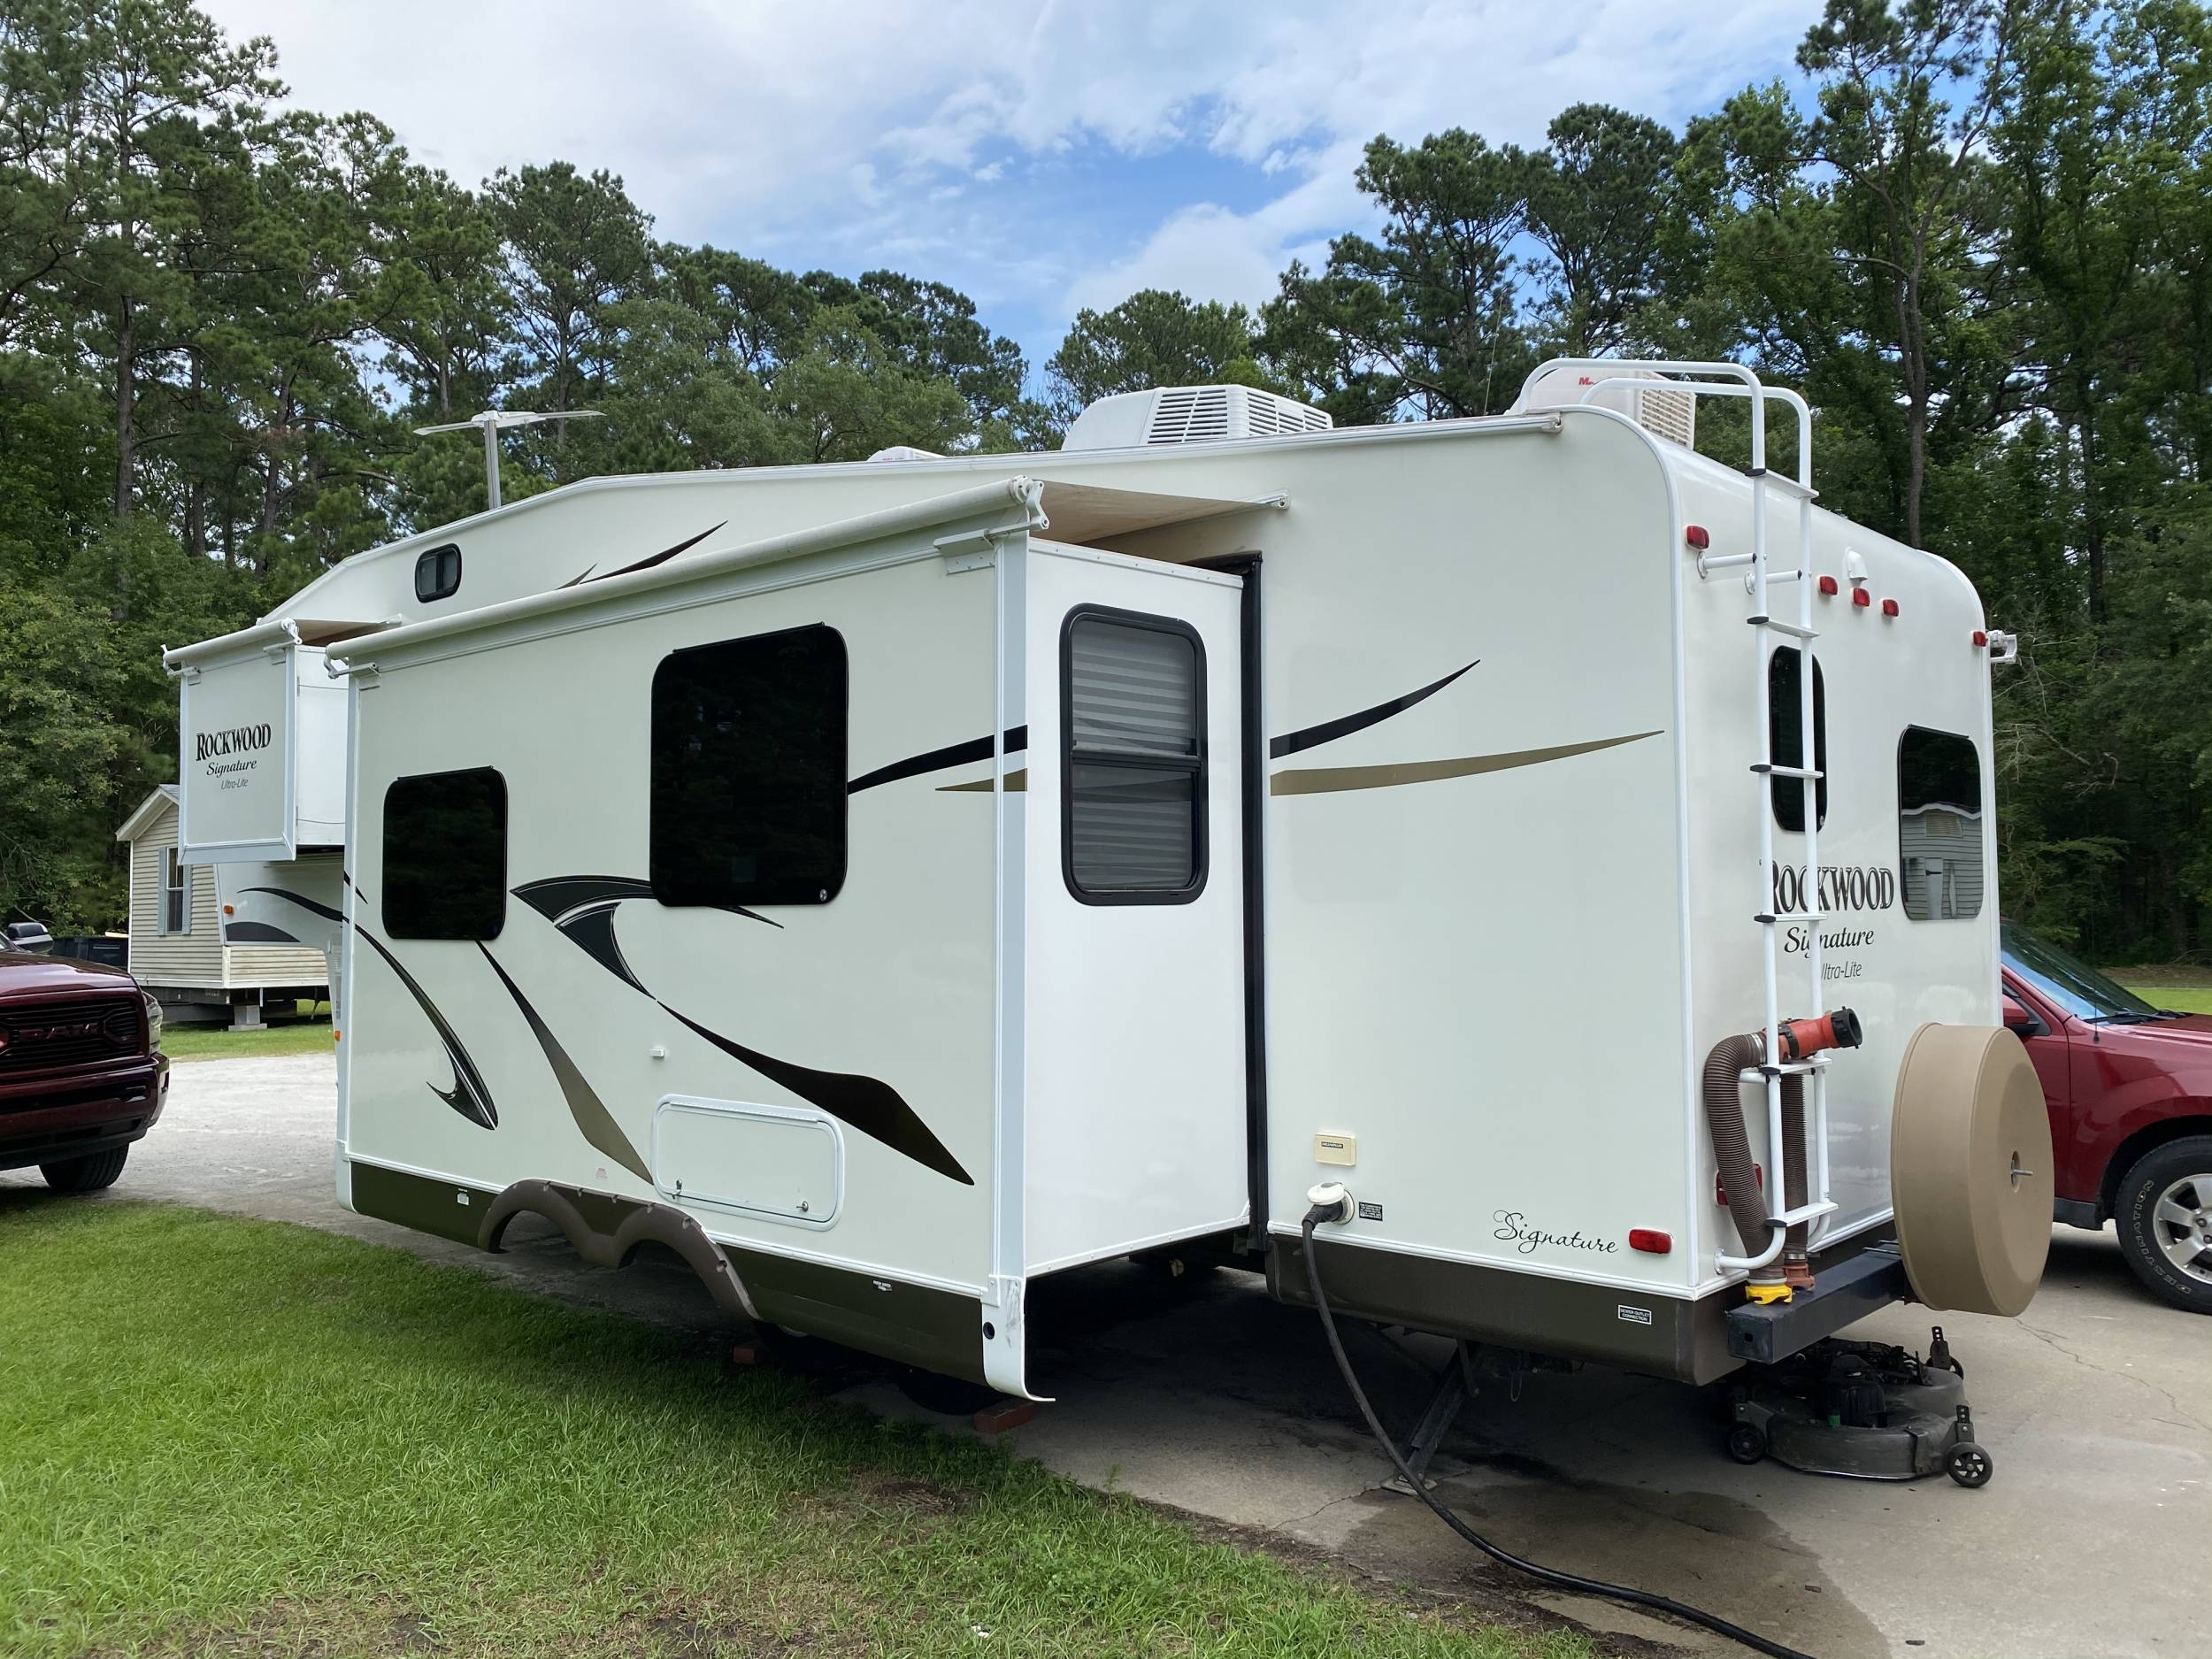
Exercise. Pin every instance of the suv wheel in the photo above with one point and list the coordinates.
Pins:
(85, 1174)
(2164, 1213)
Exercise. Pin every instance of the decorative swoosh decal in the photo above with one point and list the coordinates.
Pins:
(937, 759)
(582, 907)
(1329, 731)
(977, 749)
(469, 1096)
(593, 1119)
(1329, 779)
(869, 1105)
(1016, 781)
(647, 564)
(560, 898)
(256, 933)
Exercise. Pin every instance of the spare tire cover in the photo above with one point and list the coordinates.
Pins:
(1969, 1169)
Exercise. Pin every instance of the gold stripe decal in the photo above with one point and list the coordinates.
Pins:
(1330, 779)
(1016, 781)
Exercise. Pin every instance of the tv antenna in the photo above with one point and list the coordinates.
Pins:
(492, 422)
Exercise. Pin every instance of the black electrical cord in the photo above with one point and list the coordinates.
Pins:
(1548, 1575)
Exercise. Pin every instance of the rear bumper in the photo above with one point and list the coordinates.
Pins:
(47, 1119)
(1691, 1339)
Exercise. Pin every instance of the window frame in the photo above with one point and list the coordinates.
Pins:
(393, 930)
(1981, 811)
(825, 893)
(434, 559)
(1819, 762)
(1199, 762)
(176, 890)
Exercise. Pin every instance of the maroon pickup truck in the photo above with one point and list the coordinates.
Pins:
(81, 1070)
(2129, 1087)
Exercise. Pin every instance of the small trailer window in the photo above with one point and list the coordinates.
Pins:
(438, 573)
(176, 893)
(1786, 736)
(1133, 796)
(1939, 824)
(748, 770)
(445, 856)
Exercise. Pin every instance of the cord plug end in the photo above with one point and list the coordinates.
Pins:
(1331, 1201)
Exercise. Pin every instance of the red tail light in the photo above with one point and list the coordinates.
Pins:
(1651, 1240)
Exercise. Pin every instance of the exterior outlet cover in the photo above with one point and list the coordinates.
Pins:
(1341, 1149)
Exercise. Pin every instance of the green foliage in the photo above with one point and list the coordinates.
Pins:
(1978, 239)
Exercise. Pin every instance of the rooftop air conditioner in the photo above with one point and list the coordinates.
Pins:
(1189, 414)
(1652, 403)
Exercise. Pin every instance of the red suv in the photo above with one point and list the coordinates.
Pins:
(2130, 1091)
(81, 1070)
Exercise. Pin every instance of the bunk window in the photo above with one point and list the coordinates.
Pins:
(176, 894)
(1786, 736)
(1133, 758)
(1939, 824)
(748, 770)
(445, 856)
(438, 573)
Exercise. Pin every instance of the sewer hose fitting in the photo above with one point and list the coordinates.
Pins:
(1723, 1092)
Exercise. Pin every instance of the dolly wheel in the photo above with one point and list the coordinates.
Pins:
(1969, 1464)
(1747, 1445)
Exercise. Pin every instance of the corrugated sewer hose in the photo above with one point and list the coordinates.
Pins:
(1339, 1208)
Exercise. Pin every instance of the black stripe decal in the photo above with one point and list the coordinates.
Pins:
(469, 1096)
(937, 759)
(646, 564)
(593, 1119)
(872, 1106)
(557, 898)
(593, 930)
(1329, 731)
(256, 933)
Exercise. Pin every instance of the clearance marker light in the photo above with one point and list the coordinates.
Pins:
(1651, 1240)
(1827, 588)
(1694, 535)
(1860, 596)
(1889, 607)
(1981, 639)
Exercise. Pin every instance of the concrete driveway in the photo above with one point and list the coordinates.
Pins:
(2092, 1538)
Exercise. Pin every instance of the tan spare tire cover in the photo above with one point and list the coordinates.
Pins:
(1969, 1169)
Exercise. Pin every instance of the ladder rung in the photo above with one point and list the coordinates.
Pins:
(1786, 1068)
(1767, 919)
(1782, 481)
(1790, 628)
(1784, 771)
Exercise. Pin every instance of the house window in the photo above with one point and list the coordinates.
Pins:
(748, 770)
(176, 893)
(1786, 736)
(445, 855)
(1939, 824)
(438, 573)
(1133, 758)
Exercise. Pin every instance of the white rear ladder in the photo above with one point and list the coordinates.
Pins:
(1731, 380)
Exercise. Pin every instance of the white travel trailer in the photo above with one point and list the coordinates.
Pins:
(889, 883)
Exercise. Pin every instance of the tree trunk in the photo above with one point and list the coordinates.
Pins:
(125, 390)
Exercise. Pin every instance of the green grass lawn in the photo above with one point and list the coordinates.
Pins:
(2185, 999)
(218, 1041)
(220, 1436)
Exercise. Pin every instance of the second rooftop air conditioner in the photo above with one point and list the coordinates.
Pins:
(1189, 414)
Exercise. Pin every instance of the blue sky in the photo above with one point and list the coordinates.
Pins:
(1040, 155)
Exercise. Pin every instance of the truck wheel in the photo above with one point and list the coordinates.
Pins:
(85, 1174)
(2163, 1209)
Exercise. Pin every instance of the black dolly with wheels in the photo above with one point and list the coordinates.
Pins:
(1866, 1410)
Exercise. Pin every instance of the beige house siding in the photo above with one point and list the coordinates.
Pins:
(199, 960)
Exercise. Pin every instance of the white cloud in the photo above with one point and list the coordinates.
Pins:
(829, 134)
